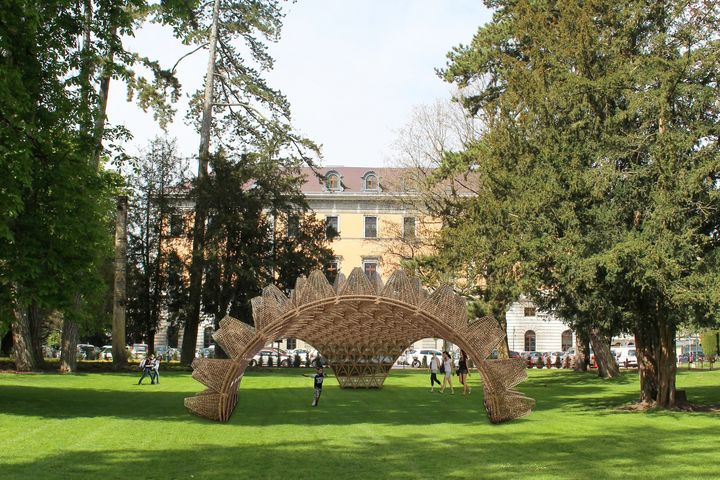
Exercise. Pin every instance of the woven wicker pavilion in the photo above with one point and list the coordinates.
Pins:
(360, 328)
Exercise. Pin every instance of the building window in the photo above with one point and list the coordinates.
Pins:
(371, 227)
(567, 340)
(293, 226)
(370, 267)
(530, 311)
(370, 182)
(177, 224)
(332, 227)
(332, 182)
(409, 228)
(529, 341)
(291, 344)
(331, 271)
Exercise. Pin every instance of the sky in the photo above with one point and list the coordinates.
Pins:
(352, 70)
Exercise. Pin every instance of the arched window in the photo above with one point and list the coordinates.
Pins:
(567, 340)
(370, 182)
(530, 341)
(332, 182)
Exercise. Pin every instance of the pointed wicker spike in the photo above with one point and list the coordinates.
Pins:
(275, 303)
(400, 287)
(484, 335)
(234, 336)
(357, 284)
(320, 282)
(339, 282)
(213, 372)
(507, 406)
(505, 374)
(316, 287)
(205, 404)
(447, 306)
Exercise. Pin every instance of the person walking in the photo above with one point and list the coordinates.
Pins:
(463, 372)
(156, 370)
(447, 366)
(434, 367)
(147, 366)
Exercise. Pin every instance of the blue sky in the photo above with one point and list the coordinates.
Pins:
(353, 71)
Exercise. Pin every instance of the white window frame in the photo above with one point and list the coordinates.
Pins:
(377, 226)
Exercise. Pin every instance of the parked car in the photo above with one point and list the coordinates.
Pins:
(556, 357)
(300, 352)
(106, 352)
(85, 351)
(266, 354)
(139, 350)
(514, 354)
(533, 358)
(415, 357)
(627, 357)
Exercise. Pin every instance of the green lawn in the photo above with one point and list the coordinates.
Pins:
(105, 426)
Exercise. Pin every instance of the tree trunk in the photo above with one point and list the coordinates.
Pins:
(22, 340)
(645, 347)
(68, 346)
(581, 351)
(666, 366)
(198, 253)
(35, 322)
(503, 349)
(119, 352)
(607, 366)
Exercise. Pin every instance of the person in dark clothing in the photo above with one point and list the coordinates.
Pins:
(463, 372)
(148, 369)
(318, 378)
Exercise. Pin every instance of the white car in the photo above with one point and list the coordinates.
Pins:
(415, 357)
(301, 352)
(106, 352)
(266, 354)
(627, 357)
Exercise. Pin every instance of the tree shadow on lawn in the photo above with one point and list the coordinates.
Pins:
(491, 453)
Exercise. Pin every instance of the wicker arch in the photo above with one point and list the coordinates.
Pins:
(360, 328)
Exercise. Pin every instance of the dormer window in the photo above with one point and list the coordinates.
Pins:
(332, 182)
(370, 182)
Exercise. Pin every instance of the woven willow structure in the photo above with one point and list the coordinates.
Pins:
(360, 328)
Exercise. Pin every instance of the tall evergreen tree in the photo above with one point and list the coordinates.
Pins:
(603, 145)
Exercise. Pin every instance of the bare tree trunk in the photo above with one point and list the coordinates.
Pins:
(24, 359)
(581, 351)
(119, 353)
(503, 349)
(198, 254)
(666, 366)
(607, 366)
(646, 347)
(35, 322)
(68, 346)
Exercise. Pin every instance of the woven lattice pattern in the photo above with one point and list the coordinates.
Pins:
(360, 327)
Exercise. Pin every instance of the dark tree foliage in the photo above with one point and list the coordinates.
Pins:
(248, 242)
(155, 225)
(602, 148)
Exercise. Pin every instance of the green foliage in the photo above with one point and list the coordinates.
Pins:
(709, 342)
(247, 240)
(155, 271)
(600, 161)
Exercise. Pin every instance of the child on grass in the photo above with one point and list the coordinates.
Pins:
(319, 376)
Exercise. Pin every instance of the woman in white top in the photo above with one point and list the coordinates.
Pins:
(447, 367)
